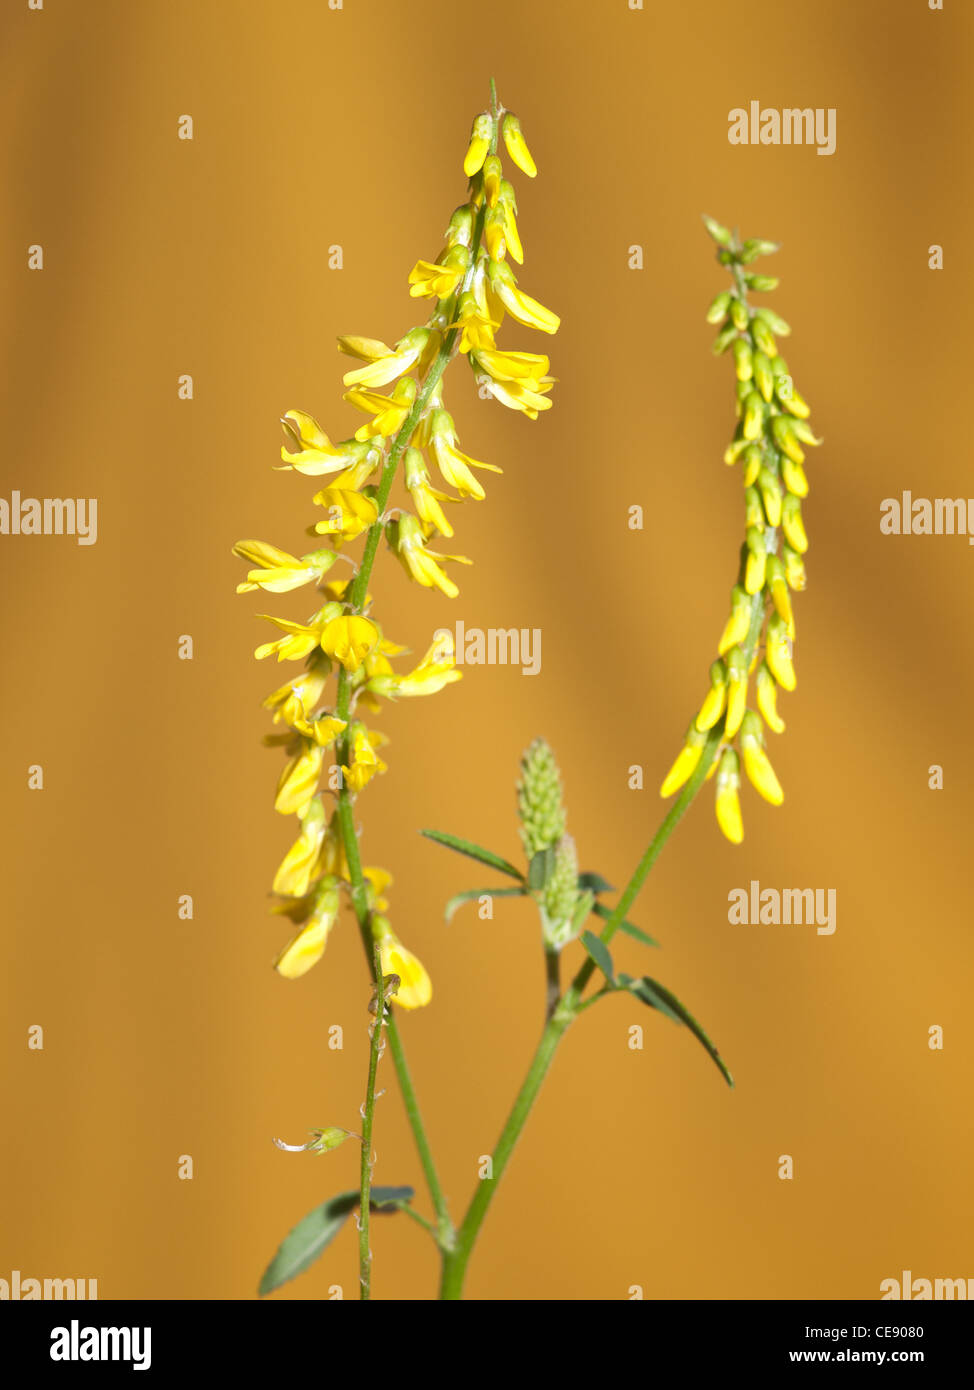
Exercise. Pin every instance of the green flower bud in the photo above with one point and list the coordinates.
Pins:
(539, 800)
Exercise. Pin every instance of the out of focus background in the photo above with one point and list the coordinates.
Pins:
(316, 127)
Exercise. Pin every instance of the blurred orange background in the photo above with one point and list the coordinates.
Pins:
(164, 1037)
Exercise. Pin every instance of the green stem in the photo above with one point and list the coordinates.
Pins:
(564, 1012)
(343, 705)
(368, 1115)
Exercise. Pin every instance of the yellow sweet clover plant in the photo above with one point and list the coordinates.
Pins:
(348, 672)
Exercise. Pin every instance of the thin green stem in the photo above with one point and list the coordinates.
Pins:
(356, 602)
(368, 1117)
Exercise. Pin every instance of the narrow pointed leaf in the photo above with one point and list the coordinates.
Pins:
(599, 952)
(467, 847)
(471, 894)
(595, 882)
(312, 1235)
(657, 996)
(540, 869)
(629, 928)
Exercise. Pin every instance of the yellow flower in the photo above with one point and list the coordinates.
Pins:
(436, 670)
(415, 987)
(428, 280)
(386, 368)
(307, 948)
(311, 452)
(716, 700)
(323, 730)
(686, 762)
(425, 498)
(298, 697)
(299, 640)
(294, 875)
(365, 349)
(349, 513)
(349, 638)
(728, 802)
(480, 138)
(757, 765)
(278, 572)
(777, 652)
(528, 368)
(365, 761)
(519, 305)
(377, 881)
(389, 411)
(454, 465)
(767, 694)
(516, 395)
(420, 563)
(476, 329)
(517, 146)
(299, 780)
(739, 622)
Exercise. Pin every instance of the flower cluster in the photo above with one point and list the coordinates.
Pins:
(758, 637)
(472, 288)
(553, 860)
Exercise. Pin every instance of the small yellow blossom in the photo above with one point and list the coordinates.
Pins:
(519, 305)
(307, 948)
(309, 450)
(437, 281)
(389, 412)
(299, 780)
(426, 499)
(294, 875)
(299, 640)
(415, 987)
(420, 563)
(278, 572)
(349, 513)
(386, 368)
(480, 138)
(365, 762)
(517, 145)
(728, 801)
(454, 465)
(436, 670)
(349, 638)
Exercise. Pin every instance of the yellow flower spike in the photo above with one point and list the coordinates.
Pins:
(480, 137)
(294, 875)
(728, 803)
(757, 764)
(517, 145)
(299, 780)
(770, 490)
(349, 513)
(430, 280)
(349, 638)
(794, 569)
(757, 560)
(715, 701)
(299, 641)
(426, 499)
(454, 465)
(780, 596)
(389, 411)
(793, 525)
(415, 987)
(767, 696)
(519, 305)
(365, 349)
(307, 948)
(421, 564)
(794, 477)
(380, 372)
(736, 691)
(778, 652)
(739, 622)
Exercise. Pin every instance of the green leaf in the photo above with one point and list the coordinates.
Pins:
(470, 894)
(657, 996)
(629, 928)
(595, 882)
(599, 952)
(541, 868)
(467, 847)
(311, 1236)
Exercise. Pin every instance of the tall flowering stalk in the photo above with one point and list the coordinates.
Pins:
(332, 748)
(758, 636)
